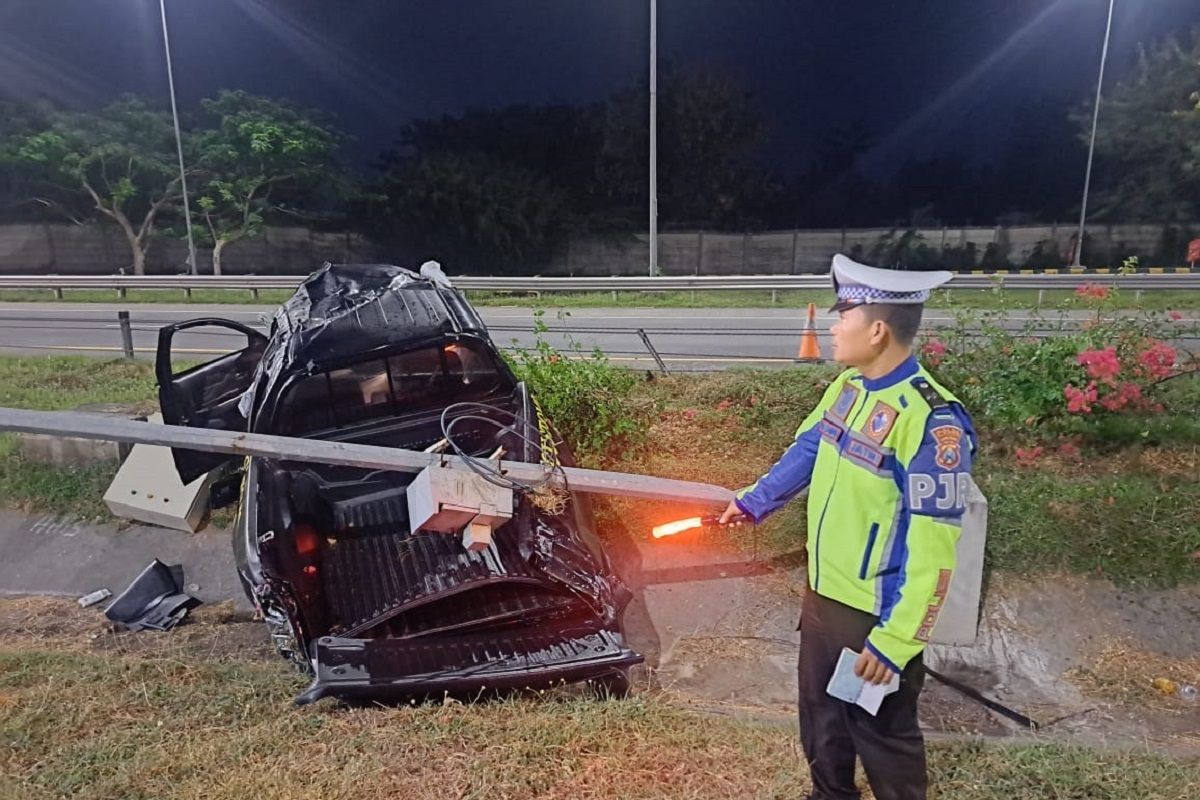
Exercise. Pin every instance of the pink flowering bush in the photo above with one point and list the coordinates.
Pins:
(1119, 382)
(1061, 375)
(1156, 361)
(1093, 292)
(1027, 457)
(933, 351)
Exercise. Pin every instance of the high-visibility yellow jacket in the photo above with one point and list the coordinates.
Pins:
(886, 462)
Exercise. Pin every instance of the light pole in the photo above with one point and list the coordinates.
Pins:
(187, 212)
(1087, 177)
(653, 138)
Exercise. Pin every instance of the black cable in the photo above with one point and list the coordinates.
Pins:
(482, 466)
(986, 702)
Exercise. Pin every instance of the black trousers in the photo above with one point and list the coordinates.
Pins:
(833, 732)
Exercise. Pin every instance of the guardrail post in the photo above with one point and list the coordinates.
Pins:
(187, 293)
(126, 333)
(58, 295)
(1041, 297)
(646, 341)
(121, 292)
(774, 296)
(254, 293)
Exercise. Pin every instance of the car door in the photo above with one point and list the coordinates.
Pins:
(206, 395)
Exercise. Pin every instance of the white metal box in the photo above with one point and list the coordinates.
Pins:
(446, 500)
(147, 489)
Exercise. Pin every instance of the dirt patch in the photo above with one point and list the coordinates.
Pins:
(1178, 462)
(1068, 457)
(213, 633)
(1120, 670)
(1080, 657)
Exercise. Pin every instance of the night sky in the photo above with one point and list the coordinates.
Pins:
(926, 77)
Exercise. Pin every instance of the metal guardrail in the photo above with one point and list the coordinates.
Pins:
(107, 428)
(255, 283)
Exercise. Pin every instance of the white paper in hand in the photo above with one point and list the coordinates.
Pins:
(846, 686)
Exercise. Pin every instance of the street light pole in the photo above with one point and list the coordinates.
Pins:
(187, 212)
(653, 138)
(1087, 179)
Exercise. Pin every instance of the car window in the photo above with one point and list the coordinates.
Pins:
(418, 380)
(471, 373)
(360, 392)
(306, 407)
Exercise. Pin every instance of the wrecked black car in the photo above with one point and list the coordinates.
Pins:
(382, 355)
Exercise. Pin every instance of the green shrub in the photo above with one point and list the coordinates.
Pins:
(583, 394)
(1111, 373)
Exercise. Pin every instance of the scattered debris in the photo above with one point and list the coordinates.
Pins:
(92, 598)
(154, 601)
(1165, 686)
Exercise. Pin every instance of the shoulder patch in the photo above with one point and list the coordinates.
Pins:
(949, 445)
(931, 395)
(845, 401)
(879, 424)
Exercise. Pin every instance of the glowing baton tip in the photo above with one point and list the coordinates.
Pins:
(672, 528)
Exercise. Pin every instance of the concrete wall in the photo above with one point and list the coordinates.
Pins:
(100, 249)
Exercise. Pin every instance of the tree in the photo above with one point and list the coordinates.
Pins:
(708, 129)
(122, 159)
(832, 191)
(258, 155)
(558, 142)
(496, 187)
(22, 184)
(467, 209)
(1148, 141)
(505, 187)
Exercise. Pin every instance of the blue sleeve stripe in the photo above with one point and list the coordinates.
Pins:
(887, 661)
(896, 569)
(786, 479)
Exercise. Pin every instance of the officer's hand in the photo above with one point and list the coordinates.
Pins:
(871, 669)
(732, 515)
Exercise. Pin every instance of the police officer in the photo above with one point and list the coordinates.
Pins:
(885, 457)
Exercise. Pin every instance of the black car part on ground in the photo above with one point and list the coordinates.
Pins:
(381, 355)
(154, 601)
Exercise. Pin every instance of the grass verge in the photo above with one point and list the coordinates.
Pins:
(54, 383)
(1130, 513)
(60, 383)
(1152, 300)
(89, 714)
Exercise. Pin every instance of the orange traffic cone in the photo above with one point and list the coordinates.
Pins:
(810, 349)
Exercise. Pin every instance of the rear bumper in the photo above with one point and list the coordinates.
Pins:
(381, 668)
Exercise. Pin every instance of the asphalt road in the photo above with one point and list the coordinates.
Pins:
(686, 338)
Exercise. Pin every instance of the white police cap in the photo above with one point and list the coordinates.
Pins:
(856, 284)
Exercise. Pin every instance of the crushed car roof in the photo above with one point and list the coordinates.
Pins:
(346, 312)
(343, 310)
